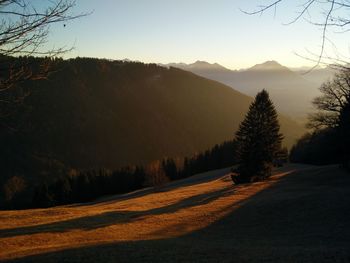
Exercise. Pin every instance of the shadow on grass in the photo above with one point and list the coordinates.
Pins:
(205, 177)
(302, 217)
(115, 217)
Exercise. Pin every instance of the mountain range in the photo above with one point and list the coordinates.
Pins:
(292, 91)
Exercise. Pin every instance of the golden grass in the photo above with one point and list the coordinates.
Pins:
(172, 211)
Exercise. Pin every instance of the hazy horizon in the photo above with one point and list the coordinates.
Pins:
(296, 68)
(187, 31)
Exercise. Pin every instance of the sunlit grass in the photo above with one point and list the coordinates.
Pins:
(167, 212)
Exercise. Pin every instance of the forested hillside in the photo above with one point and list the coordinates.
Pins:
(93, 113)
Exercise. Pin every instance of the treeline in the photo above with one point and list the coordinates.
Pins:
(330, 141)
(318, 148)
(220, 156)
(84, 186)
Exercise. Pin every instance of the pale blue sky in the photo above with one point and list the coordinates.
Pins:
(164, 31)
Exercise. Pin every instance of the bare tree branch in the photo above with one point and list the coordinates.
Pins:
(333, 13)
(335, 95)
(24, 29)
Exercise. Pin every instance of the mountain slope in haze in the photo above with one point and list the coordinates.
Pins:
(317, 75)
(98, 113)
(291, 92)
(198, 65)
(268, 66)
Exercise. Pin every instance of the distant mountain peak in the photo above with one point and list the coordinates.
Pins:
(199, 64)
(268, 65)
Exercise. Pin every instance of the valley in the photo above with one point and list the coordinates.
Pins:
(291, 90)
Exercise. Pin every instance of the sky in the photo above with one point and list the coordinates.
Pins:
(165, 31)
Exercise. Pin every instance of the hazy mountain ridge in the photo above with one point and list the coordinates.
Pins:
(317, 76)
(291, 91)
(268, 65)
(198, 65)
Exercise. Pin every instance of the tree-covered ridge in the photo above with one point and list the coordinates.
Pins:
(114, 113)
(94, 113)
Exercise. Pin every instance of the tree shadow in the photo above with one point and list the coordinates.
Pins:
(115, 217)
(201, 178)
(302, 217)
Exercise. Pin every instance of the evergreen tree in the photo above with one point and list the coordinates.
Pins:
(170, 169)
(258, 140)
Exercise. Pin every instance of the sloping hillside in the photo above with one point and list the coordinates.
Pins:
(299, 215)
(98, 113)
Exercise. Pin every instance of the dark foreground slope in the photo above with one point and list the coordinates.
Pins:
(301, 214)
(97, 113)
